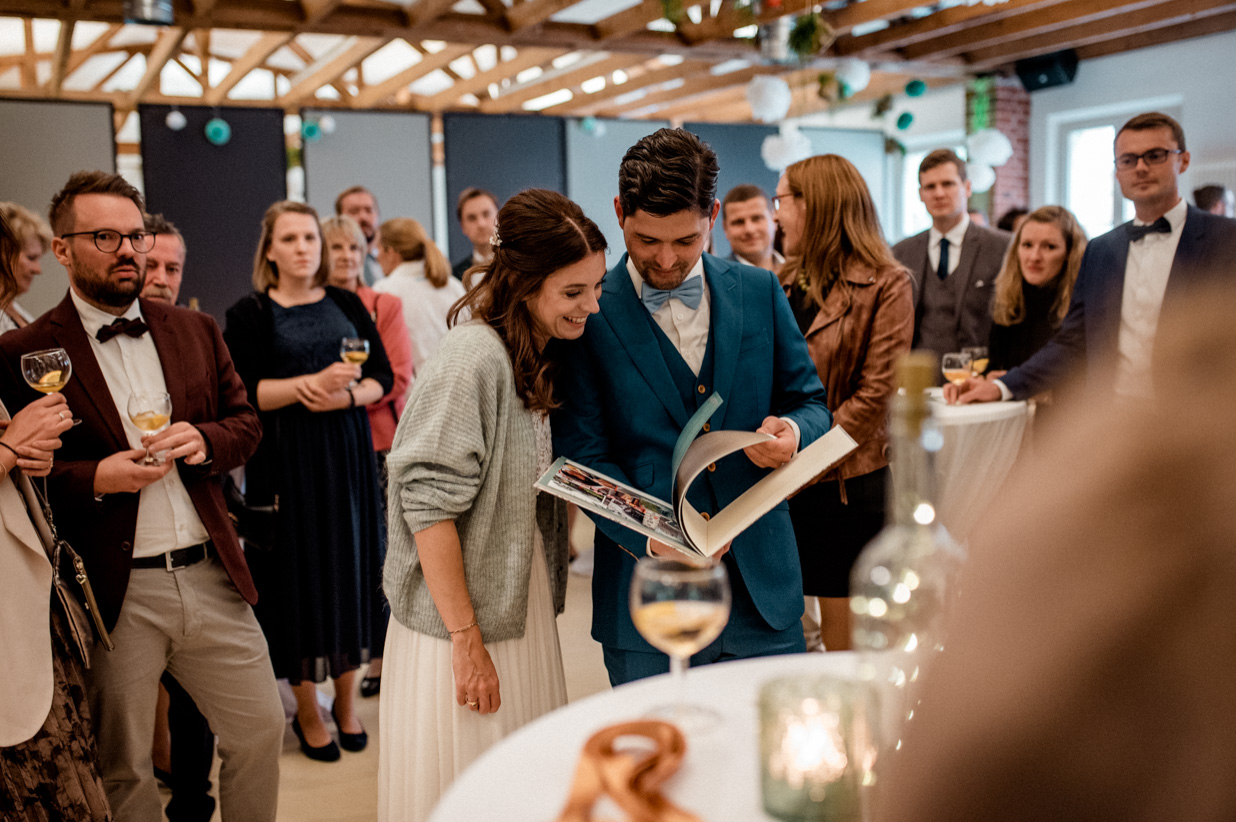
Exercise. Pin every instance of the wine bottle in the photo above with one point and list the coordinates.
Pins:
(903, 580)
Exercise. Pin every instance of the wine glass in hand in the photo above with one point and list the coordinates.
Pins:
(956, 367)
(47, 371)
(354, 350)
(680, 609)
(978, 359)
(151, 411)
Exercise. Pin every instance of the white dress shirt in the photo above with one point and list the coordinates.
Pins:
(1145, 281)
(777, 259)
(955, 235)
(686, 328)
(424, 307)
(166, 518)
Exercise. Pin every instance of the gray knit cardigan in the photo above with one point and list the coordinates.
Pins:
(465, 450)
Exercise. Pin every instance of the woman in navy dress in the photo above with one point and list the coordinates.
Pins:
(319, 599)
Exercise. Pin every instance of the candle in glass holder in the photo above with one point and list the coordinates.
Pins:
(813, 749)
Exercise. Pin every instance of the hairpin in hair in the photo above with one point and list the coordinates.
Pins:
(496, 240)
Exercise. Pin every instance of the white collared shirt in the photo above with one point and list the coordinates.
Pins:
(686, 328)
(1145, 282)
(777, 259)
(166, 518)
(955, 235)
(424, 307)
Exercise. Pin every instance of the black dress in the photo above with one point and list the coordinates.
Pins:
(1011, 345)
(320, 603)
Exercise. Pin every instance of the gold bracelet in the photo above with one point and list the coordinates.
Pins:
(471, 624)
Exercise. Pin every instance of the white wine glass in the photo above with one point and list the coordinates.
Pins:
(680, 609)
(151, 411)
(978, 359)
(956, 367)
(354, 350)
(47, 371)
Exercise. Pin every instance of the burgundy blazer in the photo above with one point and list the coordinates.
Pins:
(205, 391)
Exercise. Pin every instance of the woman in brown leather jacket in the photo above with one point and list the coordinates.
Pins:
(853, 303)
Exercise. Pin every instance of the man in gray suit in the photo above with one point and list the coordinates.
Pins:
(953, 263)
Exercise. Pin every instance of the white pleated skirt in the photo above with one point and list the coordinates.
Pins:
(426, 739)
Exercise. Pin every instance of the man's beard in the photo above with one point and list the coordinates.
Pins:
(105, 292)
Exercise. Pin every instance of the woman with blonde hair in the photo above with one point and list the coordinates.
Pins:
(33, 236)
(319, 600)
(853, 303)
(1033, 289)
(418, 273)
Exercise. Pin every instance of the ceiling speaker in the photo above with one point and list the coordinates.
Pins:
(1048, 71)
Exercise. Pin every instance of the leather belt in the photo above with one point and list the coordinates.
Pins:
(180, 558)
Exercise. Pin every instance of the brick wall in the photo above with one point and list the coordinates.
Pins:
(1011, 116)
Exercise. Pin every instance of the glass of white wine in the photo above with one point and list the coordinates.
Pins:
(680, 609)
(956, 367)
(47, 371)
(354, 350)
(151, 411)
(978, 359)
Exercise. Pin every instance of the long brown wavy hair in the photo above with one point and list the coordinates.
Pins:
(540, 233)
(1008, 306)
(840, 226)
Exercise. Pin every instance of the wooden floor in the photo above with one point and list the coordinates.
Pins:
(347, 790)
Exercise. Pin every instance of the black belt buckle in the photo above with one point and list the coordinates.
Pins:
(191, 556)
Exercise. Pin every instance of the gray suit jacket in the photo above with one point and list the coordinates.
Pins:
(982, 256)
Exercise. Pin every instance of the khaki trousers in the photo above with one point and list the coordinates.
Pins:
(193, 623)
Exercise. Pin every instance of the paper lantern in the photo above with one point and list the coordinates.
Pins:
(854, 75)
(175, 120)
(327, 124)
(311, 131)
(218, 132)
(781, 150)
(769, 98)
(904, 120)
(982, 177)
(916, 88)
(989, 147)
(592, 127)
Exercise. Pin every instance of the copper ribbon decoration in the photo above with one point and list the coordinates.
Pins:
(632, 778)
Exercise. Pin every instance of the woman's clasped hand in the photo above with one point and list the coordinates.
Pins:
(327, 390)
(34, 433)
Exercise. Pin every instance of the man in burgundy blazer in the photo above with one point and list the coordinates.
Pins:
(164, 561)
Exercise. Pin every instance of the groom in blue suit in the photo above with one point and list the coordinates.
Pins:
(677, 325)
(1127, 276)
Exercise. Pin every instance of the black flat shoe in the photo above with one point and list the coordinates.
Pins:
(163, 776)
(370, 686)
(347, 741)
(326, 753)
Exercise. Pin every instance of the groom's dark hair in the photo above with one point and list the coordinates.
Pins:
(669, 171)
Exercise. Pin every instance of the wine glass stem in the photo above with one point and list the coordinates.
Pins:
(678, 671)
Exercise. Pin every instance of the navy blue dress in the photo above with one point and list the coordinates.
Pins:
(320, 602)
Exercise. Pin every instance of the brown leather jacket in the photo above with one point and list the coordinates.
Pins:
(866, 323)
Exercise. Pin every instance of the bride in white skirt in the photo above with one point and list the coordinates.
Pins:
(476, 560)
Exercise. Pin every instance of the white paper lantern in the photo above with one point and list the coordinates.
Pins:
(989, 147)
(769, 97)
(982, 177)
(175, 120)
(327, 123)
(854, 75)
(781, 150)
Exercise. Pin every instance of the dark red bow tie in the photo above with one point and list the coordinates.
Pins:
(134, 328)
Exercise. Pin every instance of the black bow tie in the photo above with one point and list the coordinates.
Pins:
(1159, 226)
(134, 328)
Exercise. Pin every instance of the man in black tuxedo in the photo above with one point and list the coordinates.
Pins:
(1127, 275)
(954, 263)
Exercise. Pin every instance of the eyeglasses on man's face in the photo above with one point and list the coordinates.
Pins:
(108, 240)
(1154, 157)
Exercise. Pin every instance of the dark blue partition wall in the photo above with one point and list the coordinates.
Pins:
(502, 153)
(738, 154)
(216, 195)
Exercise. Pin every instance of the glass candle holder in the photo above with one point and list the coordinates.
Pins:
(815, 749)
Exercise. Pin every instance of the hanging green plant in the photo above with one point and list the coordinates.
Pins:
(882, 106)
(894, 146)
(810, 36)
(829, 89)
(673, 10)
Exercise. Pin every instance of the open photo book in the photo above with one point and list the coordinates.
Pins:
(677, 523)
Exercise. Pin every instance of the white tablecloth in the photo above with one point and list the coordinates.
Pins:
(981, 443)
(528, 774)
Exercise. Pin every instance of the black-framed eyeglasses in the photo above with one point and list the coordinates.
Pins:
(1154, 157)
(108, 240)
(777, 198)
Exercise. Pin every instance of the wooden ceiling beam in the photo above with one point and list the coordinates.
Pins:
(693, 86)
(1053, 18)
(590, 104)
(530, 14)
(257, 54)
(329, 68)
(76, 58)
(514, 98)
(376, 93)
(60, 61)
(629, 20)
(1164, 15)
(423, 12)
(526, 58)
(946, 21)
(1200, 27)
(29, 72)
(165, 48)
(494, 8)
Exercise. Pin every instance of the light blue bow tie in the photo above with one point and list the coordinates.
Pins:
(690, 291)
